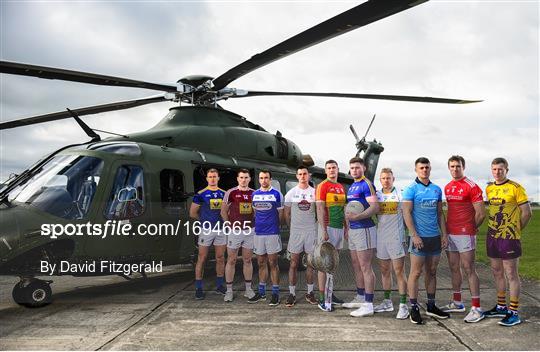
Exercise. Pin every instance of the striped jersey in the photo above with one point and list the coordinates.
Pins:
(333, 194)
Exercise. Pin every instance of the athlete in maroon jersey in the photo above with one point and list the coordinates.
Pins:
(237, 214)
(465, 214)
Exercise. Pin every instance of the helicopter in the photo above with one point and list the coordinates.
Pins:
(149, 177)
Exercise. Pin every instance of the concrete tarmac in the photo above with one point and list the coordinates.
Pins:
(160, 313)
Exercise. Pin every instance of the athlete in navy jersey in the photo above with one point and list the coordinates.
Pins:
(362, 235)
(206, 208)
(268, 205)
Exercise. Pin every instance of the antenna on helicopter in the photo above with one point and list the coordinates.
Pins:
(372, 150)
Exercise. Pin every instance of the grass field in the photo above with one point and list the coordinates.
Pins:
(529, 264)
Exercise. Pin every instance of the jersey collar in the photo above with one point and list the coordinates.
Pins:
(417, 180)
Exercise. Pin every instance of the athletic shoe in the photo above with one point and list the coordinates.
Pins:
(310, 297)
(322, 306)
(199, 294)
(415, 316)
(434, 311)
(228, 296)
(291, 300)
(365, 310)
(496, 312)
(355, 303)
(510, 319)
(336, 300)
(258, 297)
(274, 301)
(221, 290)
(452, 307)
(249, 293)
(475, 315)
(385, 306)
(403, 312)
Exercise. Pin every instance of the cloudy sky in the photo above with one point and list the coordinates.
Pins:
(459, 49)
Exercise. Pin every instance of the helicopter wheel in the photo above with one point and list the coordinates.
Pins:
(37, 293)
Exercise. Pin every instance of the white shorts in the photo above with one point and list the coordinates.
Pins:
(335, 236)
(267, 244)
(461, 243)
(243, 239)
(215, 237)
(391, 250)
(302, 241)
(362, 239)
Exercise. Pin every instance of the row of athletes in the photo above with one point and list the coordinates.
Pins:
(321, 215)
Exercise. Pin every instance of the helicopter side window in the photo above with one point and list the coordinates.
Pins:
(64, 187)
(126, 200)
(173, 196)
(290, 185)
(275, 185)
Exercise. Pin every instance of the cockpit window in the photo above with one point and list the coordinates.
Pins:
(65, 186)
(126, 199)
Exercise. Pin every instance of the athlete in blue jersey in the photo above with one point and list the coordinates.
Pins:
(422, 212)
(206, 208)
(268, 205)
(362, 237)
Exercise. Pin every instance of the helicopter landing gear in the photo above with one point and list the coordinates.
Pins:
(32, 292)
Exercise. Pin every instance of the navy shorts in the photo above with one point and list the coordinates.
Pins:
(432, 247)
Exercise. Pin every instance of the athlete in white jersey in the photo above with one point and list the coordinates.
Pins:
(390, 244)
(300, 210)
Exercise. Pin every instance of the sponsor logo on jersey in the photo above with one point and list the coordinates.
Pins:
(261, 206)
(428, 203)
(304, 205)
(245, 208)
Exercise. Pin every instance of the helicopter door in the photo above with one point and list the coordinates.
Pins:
(126, 202)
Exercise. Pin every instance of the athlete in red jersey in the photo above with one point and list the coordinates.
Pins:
(237, 213)
(465, 214)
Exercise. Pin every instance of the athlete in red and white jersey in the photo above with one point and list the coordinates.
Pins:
(465, 214)
(237, 213)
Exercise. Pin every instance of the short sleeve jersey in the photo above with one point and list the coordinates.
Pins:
(266, 205)
(460, 196)
(390, 218)
(504, 213)
(210, 202)
(303, 212)
(240, 207)
(425, 199)
(333, 194)
(359, 191)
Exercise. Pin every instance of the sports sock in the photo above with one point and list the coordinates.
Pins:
(514, 304)
(219, 281)
(360, 291)
(414, 302)
(321, 296)
(229, 286)
(198, 284)
(475, 301)
(310, 288)
(387, 294)
(248, 285)
(430, 300)
(262, 288)
(501, 299)
(403, 298)
(369, 297)
(457, 298)
(292, 290)
(275, 289)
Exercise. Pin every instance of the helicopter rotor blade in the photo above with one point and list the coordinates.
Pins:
(369, 127)
(354, 133)
(252, 93)
(361, 15)
(96, 109)
(17, 68)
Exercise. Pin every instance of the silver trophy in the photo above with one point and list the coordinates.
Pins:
(325, 258)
